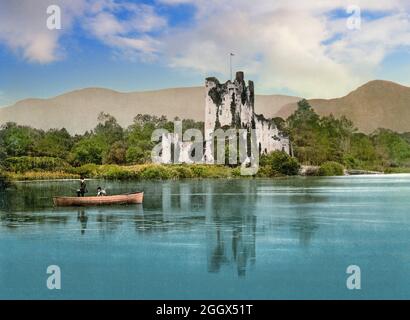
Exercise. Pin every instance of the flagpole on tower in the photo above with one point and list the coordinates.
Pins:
(230, 63)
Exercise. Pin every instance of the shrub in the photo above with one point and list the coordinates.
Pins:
(155, 172)
(331, 168)
(199, 171)
(23, 164)
(88, 150)
(281, 162)
(352, 162)
(212, 171)
(266, 171)
(236, 172)
(181, 172)
(41, 175)
(135, 155)
(114, 172)
(88, 170)
(116, 154)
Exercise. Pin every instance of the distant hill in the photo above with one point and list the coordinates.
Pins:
(377, 104)
(77, 110)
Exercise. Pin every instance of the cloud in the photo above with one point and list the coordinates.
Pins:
(122, 25)
(129, 35)
(302, 47)
(23, 28)
(288, 45)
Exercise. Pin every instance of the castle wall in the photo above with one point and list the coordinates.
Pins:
(228, 106)
(232, 105)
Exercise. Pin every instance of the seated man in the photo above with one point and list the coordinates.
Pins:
(101, 192)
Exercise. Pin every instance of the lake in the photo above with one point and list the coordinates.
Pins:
(290, 238)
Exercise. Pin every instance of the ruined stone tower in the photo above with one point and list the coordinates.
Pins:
(232, 105)
(228, 106)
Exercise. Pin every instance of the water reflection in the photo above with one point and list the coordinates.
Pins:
(229, 214)
(305, 224)
(82, 218)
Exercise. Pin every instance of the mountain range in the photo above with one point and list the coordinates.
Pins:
(377, 104)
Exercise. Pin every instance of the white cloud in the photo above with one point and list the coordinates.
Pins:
(296, 46)
(285, 45)
(23, 28)
(128, 36)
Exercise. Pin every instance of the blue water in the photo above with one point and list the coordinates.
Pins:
(289, 238)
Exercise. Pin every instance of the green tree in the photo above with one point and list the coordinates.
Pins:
(18, 140)
(331, 168)
(281, 162)
(317, 139)
(116, 154)
(54, 143)
(138, 137)
(391, 147)
(88, 150)
(137, 155)
(108, 129)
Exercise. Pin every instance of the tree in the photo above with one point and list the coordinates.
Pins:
(136, 155)
(319, 139)
(391, 147)
(18, 140)
(87, 150)
(281, 162)
(304, 130)
(116, 154)
(108, 129)
(54, 143)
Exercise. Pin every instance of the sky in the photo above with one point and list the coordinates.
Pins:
(310, 48)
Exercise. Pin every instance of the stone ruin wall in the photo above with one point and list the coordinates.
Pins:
(228, 105)
(232, 105)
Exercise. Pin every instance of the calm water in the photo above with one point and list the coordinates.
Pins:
(237, 239)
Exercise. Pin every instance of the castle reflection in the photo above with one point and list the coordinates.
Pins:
(229, 222)
(230, 214)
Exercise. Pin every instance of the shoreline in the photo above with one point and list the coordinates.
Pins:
(278, 177)
(173, 172)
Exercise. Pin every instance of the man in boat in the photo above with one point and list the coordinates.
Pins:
(83, 188)
(101, 192)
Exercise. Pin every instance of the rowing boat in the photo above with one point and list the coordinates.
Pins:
(130, 198)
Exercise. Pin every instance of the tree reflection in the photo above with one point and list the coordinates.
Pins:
(227, 213)
(83, 219)
(231, 232)
(230, 224)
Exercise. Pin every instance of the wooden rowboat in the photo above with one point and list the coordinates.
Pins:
(130, 198)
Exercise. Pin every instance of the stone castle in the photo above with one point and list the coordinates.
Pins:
(227, 106)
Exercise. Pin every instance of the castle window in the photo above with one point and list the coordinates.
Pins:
(220, 112)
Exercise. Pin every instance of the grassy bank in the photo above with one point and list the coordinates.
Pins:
(139, 172)
(267, 169)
